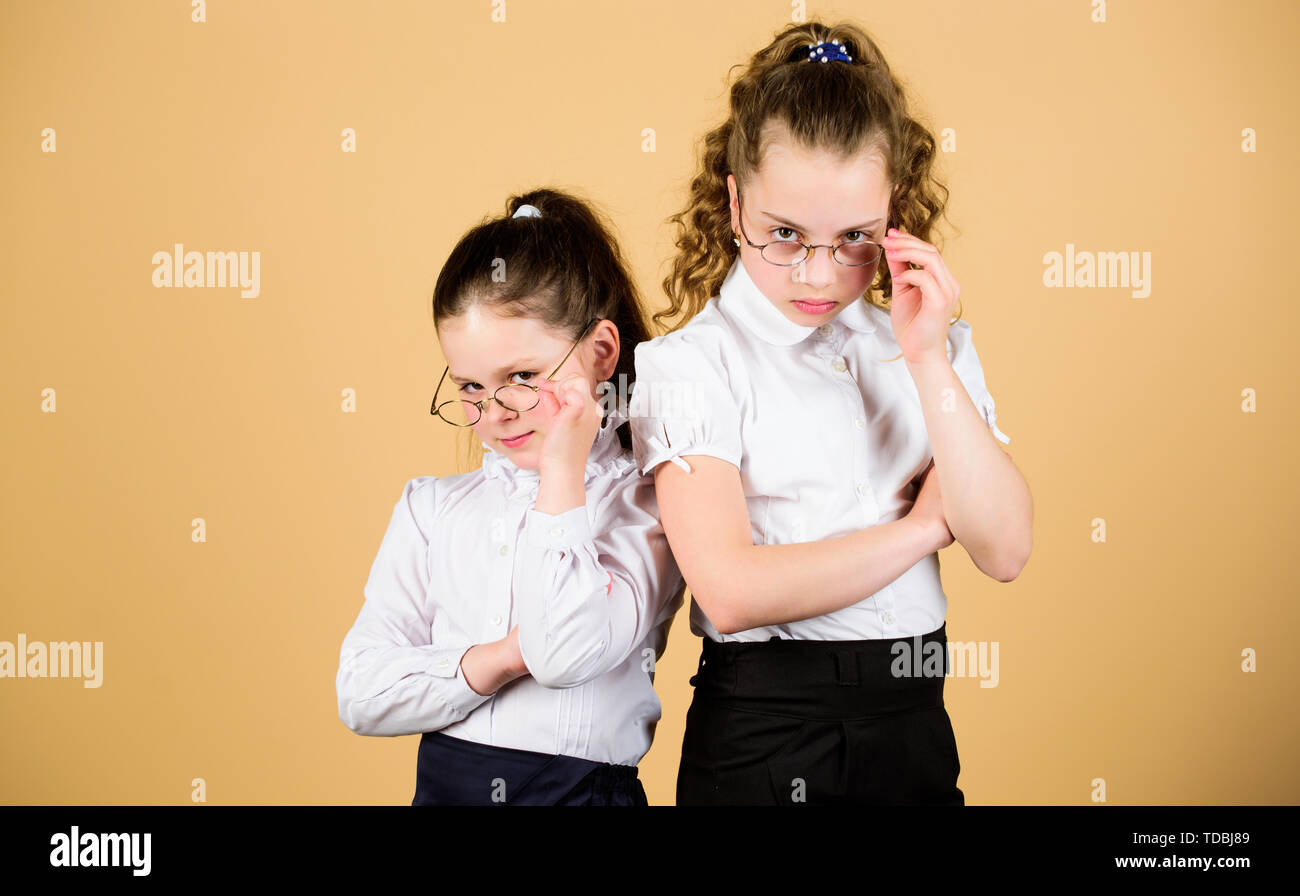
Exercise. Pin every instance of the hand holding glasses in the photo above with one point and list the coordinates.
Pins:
(516, 397)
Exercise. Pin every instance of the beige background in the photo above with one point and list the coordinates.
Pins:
(1119, 660)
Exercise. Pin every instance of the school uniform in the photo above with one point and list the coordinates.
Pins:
(593, 592)
(827, 434)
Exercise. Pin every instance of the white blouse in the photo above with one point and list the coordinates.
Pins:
(827, 434)
(465, 559)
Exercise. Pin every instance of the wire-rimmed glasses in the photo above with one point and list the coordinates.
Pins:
(516, 397)
(788, 253)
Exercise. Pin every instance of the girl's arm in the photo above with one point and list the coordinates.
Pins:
(488, 667)
(740, 585)
(586, 597)
(391, 680)
(985, 499)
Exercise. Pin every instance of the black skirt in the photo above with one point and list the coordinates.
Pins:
(451, 771)
(786, 722)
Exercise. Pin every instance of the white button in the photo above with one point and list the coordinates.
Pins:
(888, 617)
(557, 532)
(505, 549)
(839, 366)
(442, 663)
(824, 329)
(864, 489)
(860, 422)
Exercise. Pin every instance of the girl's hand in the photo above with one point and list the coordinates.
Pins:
(568, 418)
(927, 509)
(923, 301)
(490, 666)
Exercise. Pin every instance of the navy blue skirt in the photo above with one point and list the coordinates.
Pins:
(783, 722)
(451, 771)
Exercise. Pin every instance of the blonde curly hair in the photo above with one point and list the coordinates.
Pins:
(844, 108)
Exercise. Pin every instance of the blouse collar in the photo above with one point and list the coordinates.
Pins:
(607, 457)
(739, 298)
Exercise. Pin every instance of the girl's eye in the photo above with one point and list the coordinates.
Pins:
(469, 388)
(784, 239)
(523, 373)
(861, 237)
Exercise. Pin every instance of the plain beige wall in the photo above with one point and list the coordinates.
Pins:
(1120, 661)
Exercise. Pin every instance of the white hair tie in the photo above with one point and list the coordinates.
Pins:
(527, 211)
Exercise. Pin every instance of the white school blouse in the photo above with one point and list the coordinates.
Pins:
(827, 435)
(465, 559)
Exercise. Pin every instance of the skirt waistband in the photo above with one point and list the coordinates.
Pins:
(826, 679)
(451, 771)
(490, 753)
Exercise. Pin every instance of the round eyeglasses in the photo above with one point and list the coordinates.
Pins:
(788, 253)
(516, 397)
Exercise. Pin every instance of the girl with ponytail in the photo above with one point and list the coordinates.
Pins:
(513, 614)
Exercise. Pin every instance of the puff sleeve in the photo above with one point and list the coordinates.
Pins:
(589, 591)
(391, 679)
(684, 400)
(966, 364)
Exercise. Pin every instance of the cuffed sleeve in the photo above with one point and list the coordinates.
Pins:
(558, 531)
(682, 402)
(966, 364)
(391, 679)
(588, 594)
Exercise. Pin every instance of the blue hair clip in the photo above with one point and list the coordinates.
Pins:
(828, 51)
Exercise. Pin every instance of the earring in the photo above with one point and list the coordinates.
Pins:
(736, 241)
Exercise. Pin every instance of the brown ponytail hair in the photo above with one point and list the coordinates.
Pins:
(565, 268)
(842, 107)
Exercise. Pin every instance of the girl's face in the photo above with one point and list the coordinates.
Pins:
(485, 351)
(814, 198)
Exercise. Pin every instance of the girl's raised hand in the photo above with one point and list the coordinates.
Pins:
(568, 418)
(924, 299)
